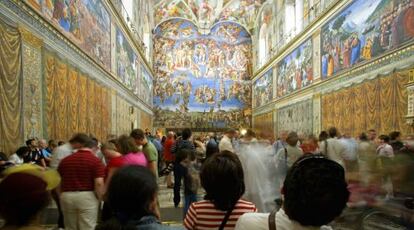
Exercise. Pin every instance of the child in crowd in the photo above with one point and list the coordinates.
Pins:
(186, 166)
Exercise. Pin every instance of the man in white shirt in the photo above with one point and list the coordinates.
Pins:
(59, 153)
(315, 193)
(333, 148)
(225, 142)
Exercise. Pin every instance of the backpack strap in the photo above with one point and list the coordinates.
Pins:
(272, 220)
(286, 155)
(326, 147)
(226, 218)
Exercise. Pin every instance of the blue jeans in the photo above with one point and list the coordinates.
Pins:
(188, 200)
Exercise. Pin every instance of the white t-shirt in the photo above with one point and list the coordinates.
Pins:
(385, 150)
(15, 159)
(59, 153)
(259, 221)
(225, 144)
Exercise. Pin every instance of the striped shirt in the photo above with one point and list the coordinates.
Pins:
(79, 171)
(203, 215)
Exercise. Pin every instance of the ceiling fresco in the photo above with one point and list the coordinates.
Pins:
(206, 13)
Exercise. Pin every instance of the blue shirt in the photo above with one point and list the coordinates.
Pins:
(46, 153)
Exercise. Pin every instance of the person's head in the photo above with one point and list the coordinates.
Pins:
(310, 140)
(384, 139)
(93, 144)
(372, 134)
(315, 190)
(363, 137)
(283, 135)
(186, 134)
(170, 135)
(31, 143)
(333, 132)
(230, 133)
(395, 136)
(23, 151)
(139, 137)
(25, 192)
(323, 136)
(52, 144)
(126, 144)
(80, 140)
(222, 178)
(236, 134)
(132, 193)
(292, 139)
(109, 150)
(212, 135)
(42, 143)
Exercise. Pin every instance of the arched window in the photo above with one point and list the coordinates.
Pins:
(147, 38)
(129, 8)
(290, 20)
(265, 30)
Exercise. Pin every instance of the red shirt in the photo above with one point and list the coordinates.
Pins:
(168, 156)
(79, 171)
(116, 162)
(203, 215)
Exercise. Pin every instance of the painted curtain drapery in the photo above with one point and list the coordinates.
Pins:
(11, 129)
(379, 104)
(74, 102)
(263, 125)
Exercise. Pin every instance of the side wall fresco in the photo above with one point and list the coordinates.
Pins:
(90, 25)
(372, 59)
(63, 91)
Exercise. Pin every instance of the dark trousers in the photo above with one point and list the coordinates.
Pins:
(178, 176)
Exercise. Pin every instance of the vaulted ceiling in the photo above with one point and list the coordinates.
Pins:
(205, 13)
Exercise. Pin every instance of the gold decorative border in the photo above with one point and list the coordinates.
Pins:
(30, 38)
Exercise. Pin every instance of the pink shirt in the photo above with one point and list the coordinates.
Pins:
(135, 159)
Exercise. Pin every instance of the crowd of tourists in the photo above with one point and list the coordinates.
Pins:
(235, 181)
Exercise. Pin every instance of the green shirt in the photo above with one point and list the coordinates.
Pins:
(150, 152)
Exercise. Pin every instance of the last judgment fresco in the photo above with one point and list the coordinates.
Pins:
(202, 80)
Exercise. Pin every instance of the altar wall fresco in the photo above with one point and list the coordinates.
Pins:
(209, 11)
(202, 80)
